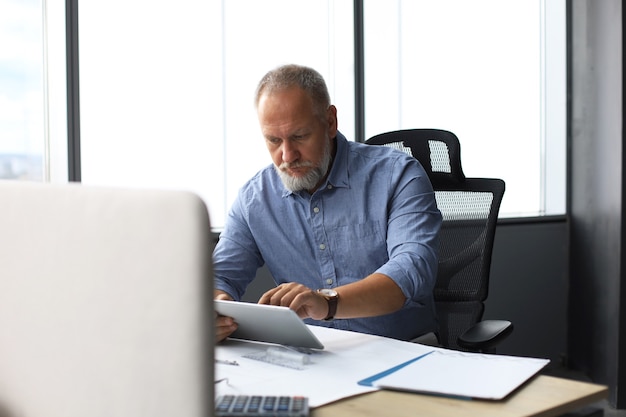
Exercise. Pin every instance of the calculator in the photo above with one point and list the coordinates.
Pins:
(261, 405)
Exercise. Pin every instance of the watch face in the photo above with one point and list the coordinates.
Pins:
(328, 292)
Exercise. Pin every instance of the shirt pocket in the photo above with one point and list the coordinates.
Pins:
(357, 250)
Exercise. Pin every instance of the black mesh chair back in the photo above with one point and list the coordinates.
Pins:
(470, 209)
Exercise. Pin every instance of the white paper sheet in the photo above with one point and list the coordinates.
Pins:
(354, 363)
(471, 375)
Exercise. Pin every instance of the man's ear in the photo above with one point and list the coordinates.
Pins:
(331, 115)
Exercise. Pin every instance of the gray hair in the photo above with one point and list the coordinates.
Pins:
(287, 76)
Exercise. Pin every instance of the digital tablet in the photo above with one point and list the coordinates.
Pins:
(266, 323)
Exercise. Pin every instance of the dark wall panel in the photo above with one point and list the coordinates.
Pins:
(529, 285)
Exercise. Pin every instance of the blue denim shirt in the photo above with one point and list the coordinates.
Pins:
(375, 213)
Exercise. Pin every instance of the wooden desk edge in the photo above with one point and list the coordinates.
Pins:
(543, 396)
(594, 393)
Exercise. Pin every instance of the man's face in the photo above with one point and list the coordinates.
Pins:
(299, 141)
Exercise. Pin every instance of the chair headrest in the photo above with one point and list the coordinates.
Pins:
(439, 151)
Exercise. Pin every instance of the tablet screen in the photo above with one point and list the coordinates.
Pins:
(266, 323)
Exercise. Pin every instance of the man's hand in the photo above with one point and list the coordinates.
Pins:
(224, 326)
(301, 299)
(375, 295)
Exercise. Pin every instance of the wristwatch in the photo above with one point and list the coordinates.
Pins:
(332, 297)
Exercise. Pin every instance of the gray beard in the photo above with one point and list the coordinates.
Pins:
(311, 179)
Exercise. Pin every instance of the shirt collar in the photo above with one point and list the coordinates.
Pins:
(339, 171)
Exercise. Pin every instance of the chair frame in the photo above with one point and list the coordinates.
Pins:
(446, 175)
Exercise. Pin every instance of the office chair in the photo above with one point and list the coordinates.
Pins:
(470, 209)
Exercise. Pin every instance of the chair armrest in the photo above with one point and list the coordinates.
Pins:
(485, 335)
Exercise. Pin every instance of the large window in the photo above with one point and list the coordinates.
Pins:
(22, 145)
(167, 97)
(33, 116)
(166, 88)
(492, 72)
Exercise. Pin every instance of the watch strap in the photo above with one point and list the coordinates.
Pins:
(332, 305)
(332, 308)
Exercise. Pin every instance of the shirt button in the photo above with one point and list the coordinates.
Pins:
(322, 246)
(330, 187)
(329, 281)
(316, 210)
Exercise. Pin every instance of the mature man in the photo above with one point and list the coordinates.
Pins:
(349, 232)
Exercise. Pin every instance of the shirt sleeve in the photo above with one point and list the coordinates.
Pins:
(236, 257)
(412, 232)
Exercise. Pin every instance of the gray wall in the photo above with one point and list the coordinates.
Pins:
(529, 286)
(597, 194)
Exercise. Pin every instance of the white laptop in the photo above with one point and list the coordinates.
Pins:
(106, 305)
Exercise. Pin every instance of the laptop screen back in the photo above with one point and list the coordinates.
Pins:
(105, 302)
